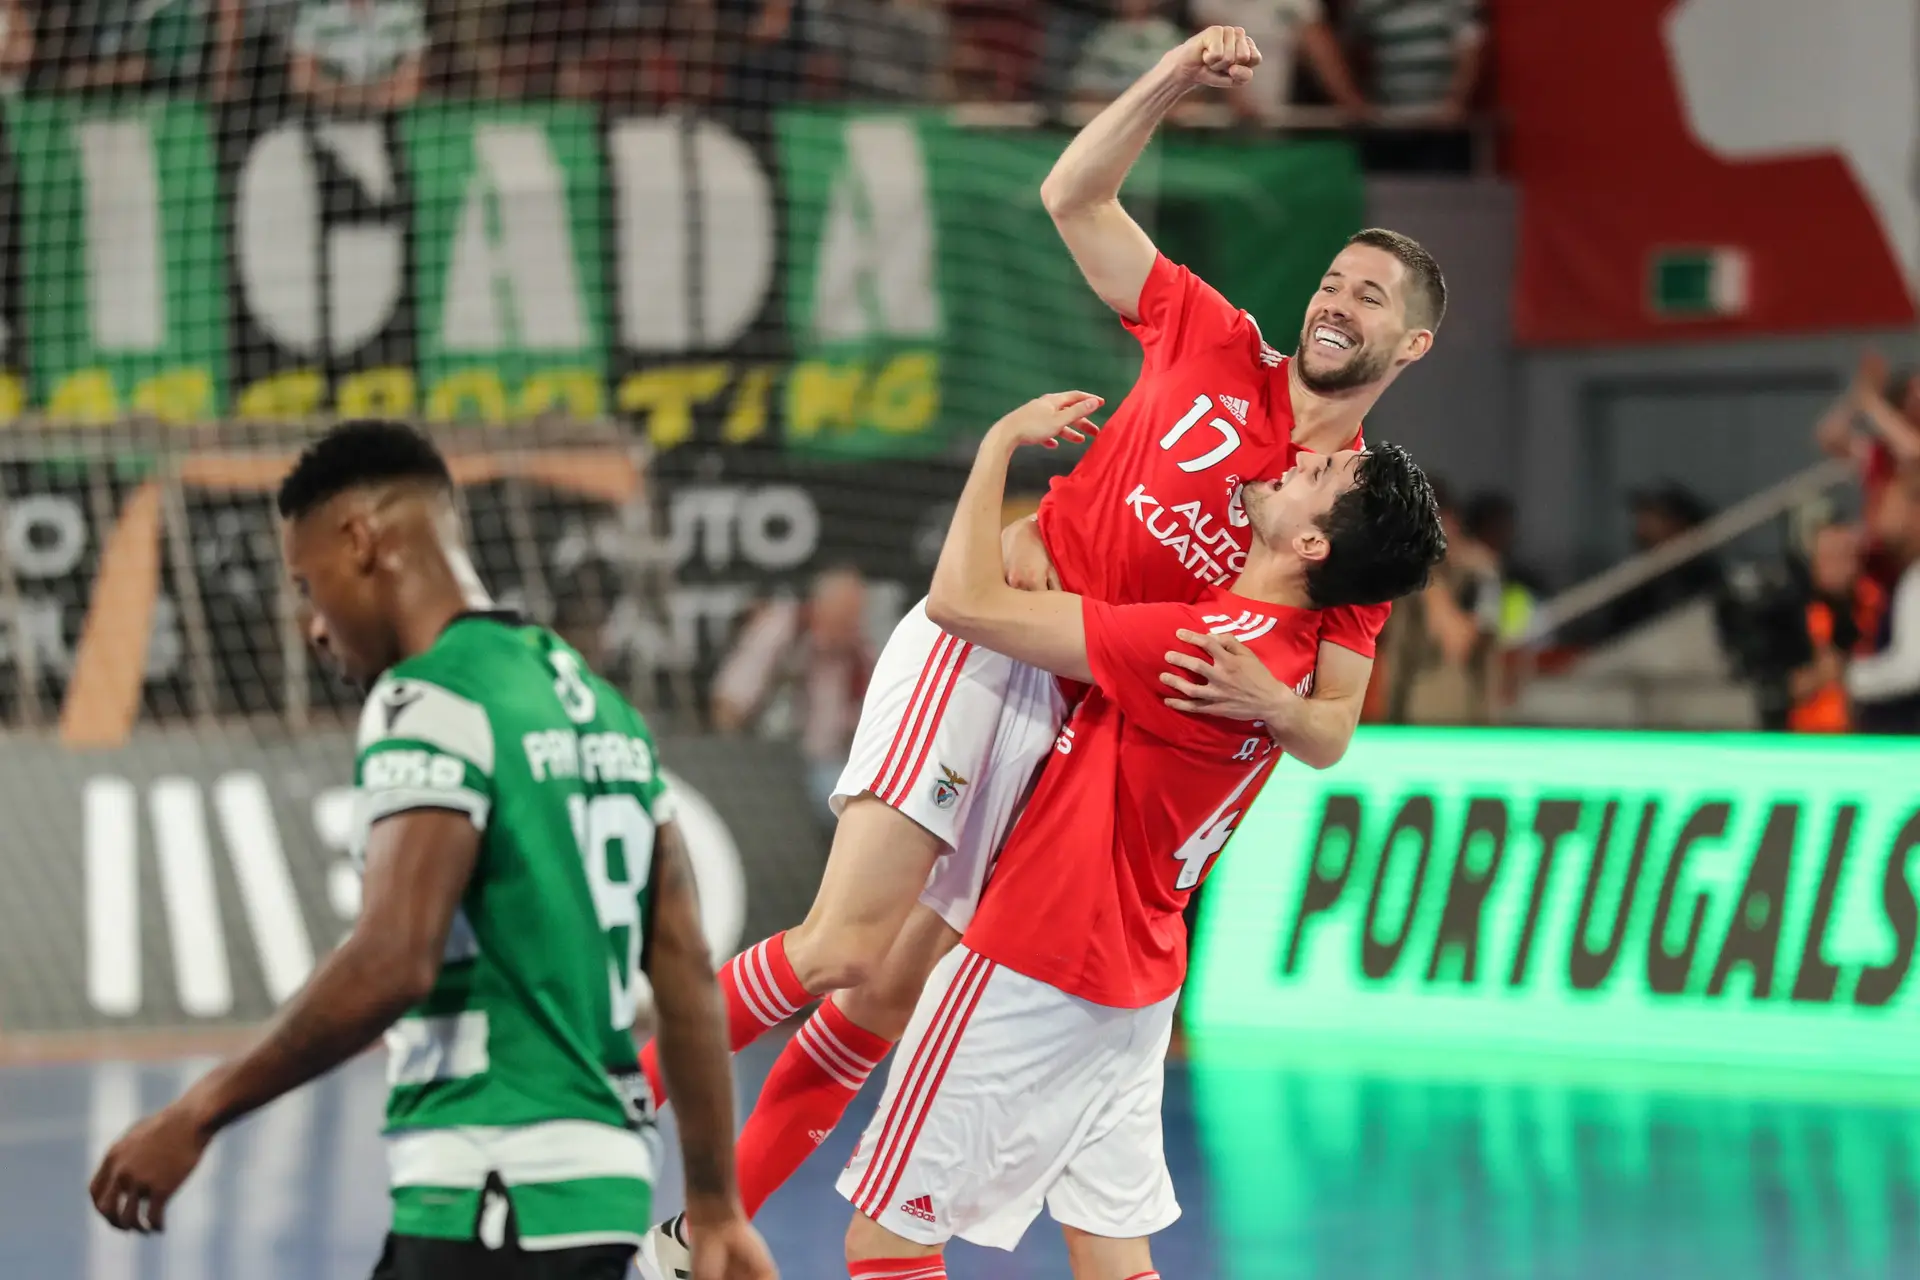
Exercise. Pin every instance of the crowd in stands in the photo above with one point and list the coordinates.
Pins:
(1860, 582)
(1409, 62)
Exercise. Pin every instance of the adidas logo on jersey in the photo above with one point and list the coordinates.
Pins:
(1248, 626)
(816, 1136)
(1237, 407)
(920, 1207)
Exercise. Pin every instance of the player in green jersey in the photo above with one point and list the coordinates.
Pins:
(522, 868)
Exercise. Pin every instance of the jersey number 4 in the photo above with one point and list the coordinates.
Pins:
(1229, 438)
(1199, 848)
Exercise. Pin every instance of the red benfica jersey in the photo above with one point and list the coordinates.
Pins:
(1134, 804)
(1152, 511)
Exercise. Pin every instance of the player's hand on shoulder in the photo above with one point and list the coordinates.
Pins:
(1231, 681)
(732, 1250)
(1049, 419)
(1218, 57)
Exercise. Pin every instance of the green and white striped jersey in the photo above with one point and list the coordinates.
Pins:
(521, 1062)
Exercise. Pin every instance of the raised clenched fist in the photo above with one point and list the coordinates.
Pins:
(1219, 57)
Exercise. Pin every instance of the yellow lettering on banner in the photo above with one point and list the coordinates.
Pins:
(821, 395)
(576, 391)
(85, 396)
(668, 396)
(479, 388)
(904, 398)
(177, 397)
(747, 418)
(377, 393)
(284, 397)
(13, 397)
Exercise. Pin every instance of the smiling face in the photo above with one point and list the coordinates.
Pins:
(1356, 331)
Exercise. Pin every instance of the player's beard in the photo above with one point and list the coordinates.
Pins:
(1364, 365)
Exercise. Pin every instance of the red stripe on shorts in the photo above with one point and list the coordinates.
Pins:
(896, 1113)
(902, 746)
(975, 987)
(933, 728)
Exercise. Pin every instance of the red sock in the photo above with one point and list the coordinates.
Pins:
(761, 992)
(931, 1267)
(808, 1090)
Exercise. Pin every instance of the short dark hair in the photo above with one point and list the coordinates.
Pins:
(1383, 534)
(1427, 295)
(363, 452)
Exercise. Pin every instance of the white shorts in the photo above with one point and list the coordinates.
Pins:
(951, 735)
(1007, 1094)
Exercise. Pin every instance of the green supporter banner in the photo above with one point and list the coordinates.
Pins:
(1737, 900)
(507, 231)
(928, 291)
(856, 283)
(124, 250)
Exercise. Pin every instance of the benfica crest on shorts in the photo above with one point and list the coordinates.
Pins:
(946, 788)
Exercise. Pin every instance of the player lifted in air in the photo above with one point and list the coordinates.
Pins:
(952, 731)
(522, 867)
(1031, 1073)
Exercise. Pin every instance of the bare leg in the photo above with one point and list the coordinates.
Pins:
(884, 1003)
(875, 871)
(1102, 1258)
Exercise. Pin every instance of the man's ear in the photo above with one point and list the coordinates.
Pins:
(1415, 344)
(1311, 545)
(363, 540)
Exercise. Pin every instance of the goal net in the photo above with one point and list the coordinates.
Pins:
(702, 299)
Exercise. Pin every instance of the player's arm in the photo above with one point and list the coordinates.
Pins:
(1082, 193)
(417, 866)
(692, 1034)
(1230, 682)
(970, 597)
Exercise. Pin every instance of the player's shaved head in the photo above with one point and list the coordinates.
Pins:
(373, 545)
(364, 454)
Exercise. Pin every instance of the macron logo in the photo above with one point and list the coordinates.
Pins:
(1236, 407)
(1248, 626)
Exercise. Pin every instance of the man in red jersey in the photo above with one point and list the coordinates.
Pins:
(951, 732)
(1031, 1071)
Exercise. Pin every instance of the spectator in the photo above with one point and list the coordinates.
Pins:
(1842, 615)
(161, 44)
(1885, 685)
(1424, 59)
(811, 662)
(878, 50)
(1070, 24)
(1283, 30)
(359, 56)
(995, 46)
(1659, 516)
(1888, 408)
(1441, 647)
(1490, 520)
(16, 45)
(1123, 50)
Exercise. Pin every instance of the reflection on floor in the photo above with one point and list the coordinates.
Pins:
(1317, 1172)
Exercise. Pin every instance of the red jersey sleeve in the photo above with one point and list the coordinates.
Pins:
(1127, 649)
(1354, 626)
(1180, 313)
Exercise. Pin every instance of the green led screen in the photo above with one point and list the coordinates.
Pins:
(1704, 898)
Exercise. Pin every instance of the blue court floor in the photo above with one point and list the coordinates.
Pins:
(1316, 1172)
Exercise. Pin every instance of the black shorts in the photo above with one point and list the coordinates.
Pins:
(423, 1258)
